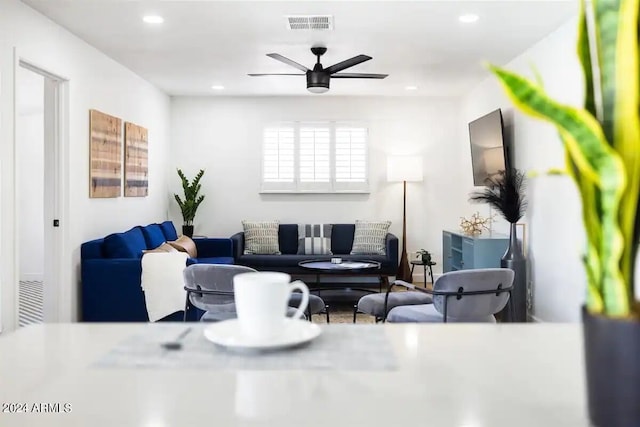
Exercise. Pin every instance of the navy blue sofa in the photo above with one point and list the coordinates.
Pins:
(111, 269)
(287, 262)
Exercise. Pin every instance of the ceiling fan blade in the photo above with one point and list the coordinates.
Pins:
(358, 76)
(273, 74)
(287, 61)
(346, 64)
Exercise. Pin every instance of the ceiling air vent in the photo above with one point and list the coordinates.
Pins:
(310, 22)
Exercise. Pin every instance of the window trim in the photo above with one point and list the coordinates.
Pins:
(332, 187)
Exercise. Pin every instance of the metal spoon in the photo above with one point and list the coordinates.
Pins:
(176, 344)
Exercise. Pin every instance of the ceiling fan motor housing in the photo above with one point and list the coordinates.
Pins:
(317, 81)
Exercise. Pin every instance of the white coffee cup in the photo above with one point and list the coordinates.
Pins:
(261, 302)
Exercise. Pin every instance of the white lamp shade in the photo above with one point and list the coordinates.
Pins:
(404, 168)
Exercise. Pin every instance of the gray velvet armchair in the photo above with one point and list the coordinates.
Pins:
(459, 296)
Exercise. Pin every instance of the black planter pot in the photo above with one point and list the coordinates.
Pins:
(612, 360)
(187, 230)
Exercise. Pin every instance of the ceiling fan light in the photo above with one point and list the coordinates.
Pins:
(318, 89)
(317, 81)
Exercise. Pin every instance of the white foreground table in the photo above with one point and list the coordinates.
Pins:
(449, 375)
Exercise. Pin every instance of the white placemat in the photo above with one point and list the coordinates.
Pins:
(339, 347)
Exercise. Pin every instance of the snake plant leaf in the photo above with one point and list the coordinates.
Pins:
(584, 54)
(597, 163)
(617, 37)
(591, 207)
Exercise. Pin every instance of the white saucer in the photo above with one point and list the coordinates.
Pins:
(295, 332)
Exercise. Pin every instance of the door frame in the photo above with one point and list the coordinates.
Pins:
(57, 204)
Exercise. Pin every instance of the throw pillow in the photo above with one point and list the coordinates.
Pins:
(261, 237)
(369, 238)
(185, 244)
(163, 248)
(314, 239)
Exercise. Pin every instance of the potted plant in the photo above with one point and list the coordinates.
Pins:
(506, 196)
(602, 142)
(191, 201)
(425, 255)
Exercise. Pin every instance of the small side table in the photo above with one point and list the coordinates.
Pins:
(424, 266)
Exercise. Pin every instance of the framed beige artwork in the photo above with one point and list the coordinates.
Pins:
(136, 161)
(105, 171)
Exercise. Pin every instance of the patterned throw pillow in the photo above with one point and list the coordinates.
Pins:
(314, 239)
(369, 238)
(261, 237)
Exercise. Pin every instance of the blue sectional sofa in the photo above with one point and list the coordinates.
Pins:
(111, 269)
(287, 262)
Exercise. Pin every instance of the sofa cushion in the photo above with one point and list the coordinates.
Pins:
(185, 244)
(129, 244)
(293, 260)
(342, 238)
(214, 260)
(153, 235)
(261, 237)
(314, 239)
(274, 260)
(369, 237)
(288, 238)
(169, 231)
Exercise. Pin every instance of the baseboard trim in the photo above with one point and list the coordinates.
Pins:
(31, 277)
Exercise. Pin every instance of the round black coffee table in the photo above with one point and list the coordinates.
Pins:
(345, 268)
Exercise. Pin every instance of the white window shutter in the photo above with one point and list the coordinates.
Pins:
(351, 159)
(278, 158)
(314, 157)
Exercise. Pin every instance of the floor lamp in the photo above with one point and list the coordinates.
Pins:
(404, 169)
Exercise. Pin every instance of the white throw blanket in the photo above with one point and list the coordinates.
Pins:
(163, 283)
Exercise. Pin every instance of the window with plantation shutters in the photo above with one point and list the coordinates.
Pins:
(320, 157)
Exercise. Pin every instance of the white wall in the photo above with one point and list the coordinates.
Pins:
(554, 224)
(224, 136)
(95, 81)
(30, 165)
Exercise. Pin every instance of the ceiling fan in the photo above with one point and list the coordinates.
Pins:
(318, 78)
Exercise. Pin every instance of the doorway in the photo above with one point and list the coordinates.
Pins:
(37, 142)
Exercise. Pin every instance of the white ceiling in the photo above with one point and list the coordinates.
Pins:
(202, 43)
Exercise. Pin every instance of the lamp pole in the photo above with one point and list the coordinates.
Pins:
(404, 272)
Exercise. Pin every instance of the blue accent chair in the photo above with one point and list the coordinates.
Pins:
(111, 270)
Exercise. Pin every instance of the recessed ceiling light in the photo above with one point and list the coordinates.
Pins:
(217, 87)
(153, 19)
(468, 18)
(411, 88)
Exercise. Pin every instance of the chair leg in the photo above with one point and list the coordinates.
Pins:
(186, 308)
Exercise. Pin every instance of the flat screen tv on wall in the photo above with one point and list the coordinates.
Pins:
(488, 152)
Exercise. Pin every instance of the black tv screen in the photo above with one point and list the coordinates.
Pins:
(487, 149)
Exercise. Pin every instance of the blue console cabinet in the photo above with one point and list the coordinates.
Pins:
(463, 252)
